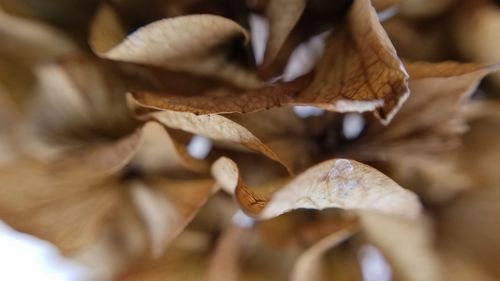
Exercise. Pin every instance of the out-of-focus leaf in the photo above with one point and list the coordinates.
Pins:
(35, 36)
(303, 228)
(406, 243)
(431, 120)
(9, 120)
(193, 43)
(338, 183)
(167, 206)
(475, 32)
(38, 198)
(216, 127)
(308, 265)
(224, 263)
(78, 100)
(282, 16)
(186, 259)
(26, 42)
(159, 152)
(468, 227)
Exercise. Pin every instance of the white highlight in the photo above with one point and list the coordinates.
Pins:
(388, 13)
(307, 111)
(352, 125)
(304, 57)
(199, 147)
(25, 258)
(242, 220)
(157, 213)
(373, 264)
(259, 31)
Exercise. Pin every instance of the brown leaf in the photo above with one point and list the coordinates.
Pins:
(216, 127)
(360, 70)
(193, 43)
(368, 77)
(66, 206)
(159, 152)
(167, 206)
(336, 183)
(224, 263)
(78, 100)
(474, 30)
(282, 16)
(307, 266)
(407, 244)
(186, 259)
(432, 118)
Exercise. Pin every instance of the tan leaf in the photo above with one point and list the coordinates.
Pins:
(66, 206)
(186, 259)
(474, 31)
(360, 70)
(336, 183)
(367, 77)
(431, 119)
(224, 263)
(78, 100)
(307, 265)
(167, 206)
(216, 127)
(407, 244)
(193, 43)
(159, 152)
(282, 16)
(228, 101)
(9, 120)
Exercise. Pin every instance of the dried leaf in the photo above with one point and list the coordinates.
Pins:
(224, 263)
(198, 46)
(159, 152)
(306, 266)
(407, 244)
(78, 101)
(432, 118)
(368, 77)
(336, 183)
(474, 31)
(167, 206)
(282, 16)
(38, 199)
(360, 70)
(186, 259)
(216, 127)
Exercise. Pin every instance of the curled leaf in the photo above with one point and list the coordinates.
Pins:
(431, 120)
(336, 183)
(306, 266)
(216, 127)
(159, 152)
(360, 70)
(193, 43)
(282, 16)
(406, 243)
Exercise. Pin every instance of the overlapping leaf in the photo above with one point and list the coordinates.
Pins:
(366, 77)
(338, 183)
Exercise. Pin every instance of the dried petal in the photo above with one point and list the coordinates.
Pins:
(360, 70)
(406, 243)
(216, 127)
(306, 266)
(338, 183)
(193, 43)
(282, 16)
